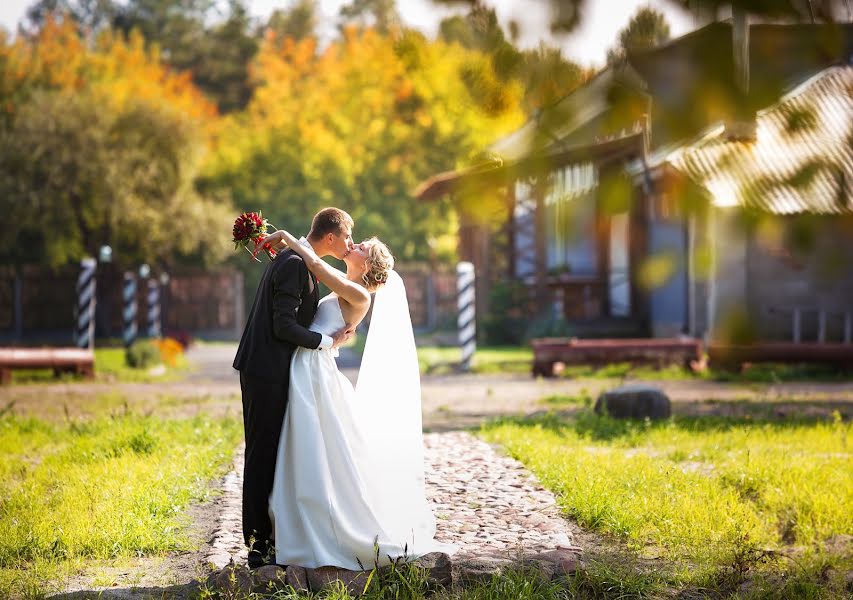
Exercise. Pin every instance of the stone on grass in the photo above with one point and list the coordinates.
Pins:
(474, 569)
(634, 402)
(557, 563)
(438, 567)
(297, 578)
(269, 578)
(325, 577)
(232, 581)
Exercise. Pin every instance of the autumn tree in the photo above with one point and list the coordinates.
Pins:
(298, 21)
(358, 125)
(101, 145)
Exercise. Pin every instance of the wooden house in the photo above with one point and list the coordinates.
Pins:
(612, 206)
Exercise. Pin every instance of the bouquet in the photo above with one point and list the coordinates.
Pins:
(251, 228)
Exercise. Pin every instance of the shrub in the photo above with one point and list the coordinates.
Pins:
(142, 354)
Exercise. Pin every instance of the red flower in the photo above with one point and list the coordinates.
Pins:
(251, 227)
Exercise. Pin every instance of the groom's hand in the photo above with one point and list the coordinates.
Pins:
(342, 336)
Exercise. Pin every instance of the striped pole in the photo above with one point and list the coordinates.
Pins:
(128, 295)
(153, 330)
(84, 335)
(466, 321)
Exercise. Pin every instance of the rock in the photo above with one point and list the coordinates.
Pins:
(269, 578)
(439, 568)
(481, 568)
(219, 559)
(232, 581)
(297, 578)
(557, 563)
(634, 402)
(323, 577)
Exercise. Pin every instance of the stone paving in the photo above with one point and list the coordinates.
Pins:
(486, 504)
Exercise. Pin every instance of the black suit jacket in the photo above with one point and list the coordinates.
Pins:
(284, 306)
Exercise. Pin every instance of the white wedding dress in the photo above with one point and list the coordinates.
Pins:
(349, 470)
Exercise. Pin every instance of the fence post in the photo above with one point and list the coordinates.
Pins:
(84, 334)
(796, 325)
(129, 308)
(153, 301)
(848, 327)
(466, 320)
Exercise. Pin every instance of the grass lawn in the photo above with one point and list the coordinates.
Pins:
(489, 359)
(109, 366)
(518, 359)
(756, 373)
(100, 490)
(700, 503)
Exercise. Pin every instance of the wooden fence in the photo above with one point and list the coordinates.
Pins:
(37, 305)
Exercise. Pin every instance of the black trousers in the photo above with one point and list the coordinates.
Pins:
(264, 405)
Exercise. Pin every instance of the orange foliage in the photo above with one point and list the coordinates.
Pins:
(118, 68)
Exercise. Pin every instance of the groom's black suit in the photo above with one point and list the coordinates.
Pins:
(284, 306)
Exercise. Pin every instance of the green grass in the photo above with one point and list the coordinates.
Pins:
(715, 498)
(518, 359)
(109, 366)
(489, 359)
(756, 373)
(99, 490)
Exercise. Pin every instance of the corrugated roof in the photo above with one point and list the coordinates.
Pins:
(800, 162)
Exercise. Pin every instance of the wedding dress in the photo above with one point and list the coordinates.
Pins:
(349, 481)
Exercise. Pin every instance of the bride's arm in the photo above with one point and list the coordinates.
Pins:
(353, 293)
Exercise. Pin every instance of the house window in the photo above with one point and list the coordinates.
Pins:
(570, 215)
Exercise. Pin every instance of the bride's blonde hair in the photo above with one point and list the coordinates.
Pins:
(379, 263)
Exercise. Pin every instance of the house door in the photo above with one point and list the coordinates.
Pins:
(619, 280)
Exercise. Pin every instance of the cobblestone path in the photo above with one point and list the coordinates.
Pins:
(485, 503)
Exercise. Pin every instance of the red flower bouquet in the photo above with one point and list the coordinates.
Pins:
(251, 228)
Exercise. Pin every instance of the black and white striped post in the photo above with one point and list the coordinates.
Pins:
(128, 296)
(153, 301)
(466, 320)
(84, 334)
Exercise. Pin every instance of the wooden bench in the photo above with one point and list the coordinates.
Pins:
(733, 357)
(61, 360)
(547, 352)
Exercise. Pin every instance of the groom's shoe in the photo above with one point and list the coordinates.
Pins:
(259, 559)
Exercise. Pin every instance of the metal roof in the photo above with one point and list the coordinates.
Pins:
(801, 160)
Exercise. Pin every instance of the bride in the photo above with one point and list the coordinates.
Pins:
(349, 476)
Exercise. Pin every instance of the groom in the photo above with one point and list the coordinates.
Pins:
(284, 306)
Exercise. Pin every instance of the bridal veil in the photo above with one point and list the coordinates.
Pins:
(388, 401)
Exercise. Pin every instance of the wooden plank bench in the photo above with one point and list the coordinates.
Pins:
(547, 352)
(733, 357)
(74, 360)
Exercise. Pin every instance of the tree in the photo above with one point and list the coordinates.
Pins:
(545, 74)
(548, 76)
(91, 15)
(192, 36)
(76, 176)
(381, 14)
(646, 29)
(100, 145)
(297, 22)
(358, 125)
